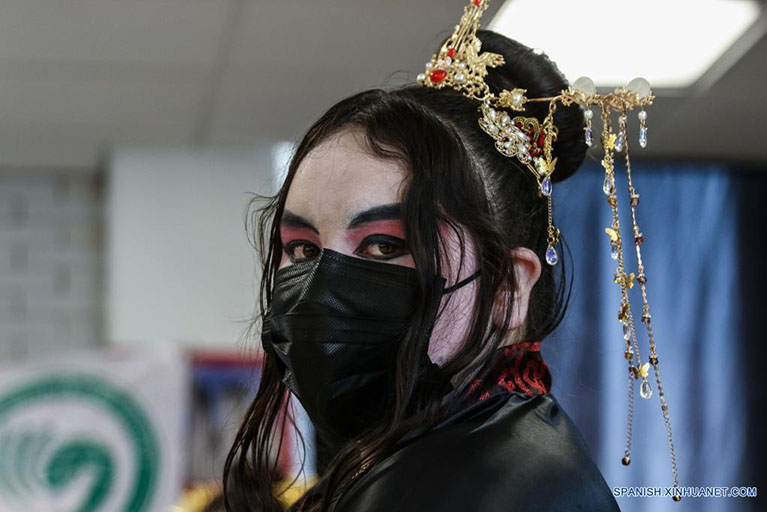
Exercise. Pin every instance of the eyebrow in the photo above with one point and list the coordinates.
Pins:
(383, 212)
(296, 221)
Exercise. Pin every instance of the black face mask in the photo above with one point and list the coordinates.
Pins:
(334, 327)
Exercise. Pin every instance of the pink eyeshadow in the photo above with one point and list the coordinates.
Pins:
(288, 234)
(383, 227)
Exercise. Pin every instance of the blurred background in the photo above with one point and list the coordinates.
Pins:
(134, 132)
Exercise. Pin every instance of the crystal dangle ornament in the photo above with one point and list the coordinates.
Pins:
(641, 87)
(645, 391)
(546, 187)
(608, 185)
(620, 140)
(551, 253)
(626, 330)
(588, 132)
(642, 128)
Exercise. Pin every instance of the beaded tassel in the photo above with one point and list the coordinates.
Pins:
(636, 369)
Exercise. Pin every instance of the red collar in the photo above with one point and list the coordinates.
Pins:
(514, 368)
(518, 367)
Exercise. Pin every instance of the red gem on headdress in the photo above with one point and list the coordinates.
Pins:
(541, 139)
(438, 75)
(519, 124)
(477, 2)
(451, 52)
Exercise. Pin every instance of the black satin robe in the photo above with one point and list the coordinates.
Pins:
(510, 452)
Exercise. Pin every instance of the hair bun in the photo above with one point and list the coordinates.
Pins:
(527, 69)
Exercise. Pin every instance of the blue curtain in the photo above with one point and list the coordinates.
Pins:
(692, 220)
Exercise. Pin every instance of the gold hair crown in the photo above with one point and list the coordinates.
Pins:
(461, 65)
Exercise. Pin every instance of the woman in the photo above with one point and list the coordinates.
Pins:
(404, 303)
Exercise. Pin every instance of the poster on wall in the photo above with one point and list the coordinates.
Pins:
(93, 431)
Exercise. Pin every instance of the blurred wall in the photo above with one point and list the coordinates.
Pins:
(178, 263)
(50, 262)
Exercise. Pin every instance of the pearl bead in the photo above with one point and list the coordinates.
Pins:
(642, 115)
(588, 114)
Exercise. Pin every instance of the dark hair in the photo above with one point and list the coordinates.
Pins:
(456, 177)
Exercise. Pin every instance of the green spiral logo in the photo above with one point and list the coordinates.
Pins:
(38, 460)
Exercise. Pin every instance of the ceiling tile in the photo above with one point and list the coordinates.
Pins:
(331, 50)
(51, 145)
(98, 102)
(180, 31)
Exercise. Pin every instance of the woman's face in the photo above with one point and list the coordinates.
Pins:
(344, 199)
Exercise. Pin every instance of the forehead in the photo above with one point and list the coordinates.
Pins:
(340, 177)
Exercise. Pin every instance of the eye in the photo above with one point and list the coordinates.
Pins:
(301, 250)
(382, 247)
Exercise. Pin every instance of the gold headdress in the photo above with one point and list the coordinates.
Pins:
(462, 66)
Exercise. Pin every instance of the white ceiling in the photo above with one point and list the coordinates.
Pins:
(82, 76)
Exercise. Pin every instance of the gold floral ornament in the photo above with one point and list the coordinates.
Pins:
(461, 65)
(458, 64)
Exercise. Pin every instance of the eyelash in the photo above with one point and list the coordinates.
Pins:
(400, 248)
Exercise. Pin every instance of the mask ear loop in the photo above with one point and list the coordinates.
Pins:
(461, 283)
(429, 364)
(436, 303)
(430, 369)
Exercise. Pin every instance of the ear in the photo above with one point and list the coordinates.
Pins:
(527, 269)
